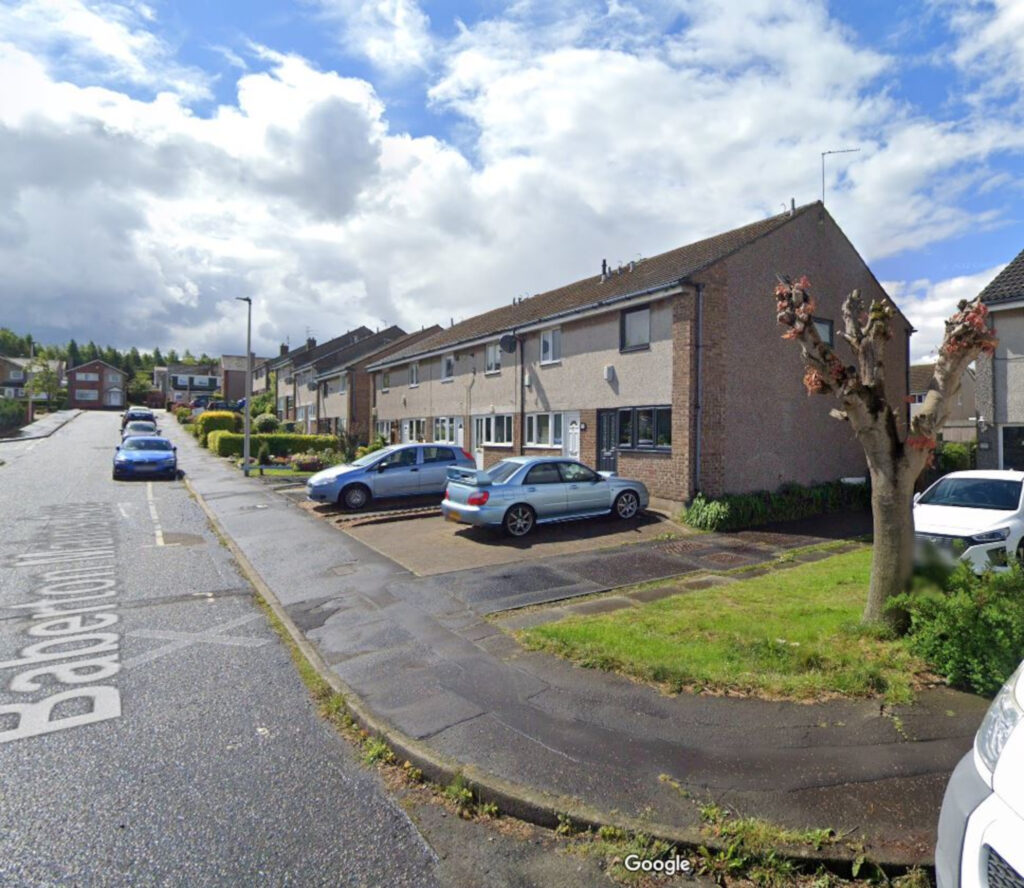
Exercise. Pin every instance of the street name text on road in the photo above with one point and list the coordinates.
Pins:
(75, 589)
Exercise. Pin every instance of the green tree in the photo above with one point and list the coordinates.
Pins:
(172, 357)
(74, 355)
(44, 380)
(139, 386)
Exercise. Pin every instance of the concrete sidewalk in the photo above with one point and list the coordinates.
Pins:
(44, 427)
(451, 690)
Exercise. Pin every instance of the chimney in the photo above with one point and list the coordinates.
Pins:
(310, 343)
(604, 270)
(284, 349)
(792, 206)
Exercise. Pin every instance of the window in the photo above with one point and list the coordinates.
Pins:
(404, 458)
(447, 368)
(438, 455)
(645, 428)
(16, 375)
(826, 330)
(384, 429)
(414, 375)
(385, 380)
(418, 429)
(342, 385)
(492, 361)
(87, 395)
(635, 332)
(493, 430)
(543, 473)
(444, 428)
(544, 429)
(89, 377)
(574, 473)
(551, 346)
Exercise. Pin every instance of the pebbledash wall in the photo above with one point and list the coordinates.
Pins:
(735, 379)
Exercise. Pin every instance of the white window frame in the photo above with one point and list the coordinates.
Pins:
(444, 367)
(87, 377)
(384, 429)
(444, 430)
(555, 430)
(492, 358)
(16, 376)
(414, 375)
(553, 337)
(87, 394)
(486, 430)
(385, 381)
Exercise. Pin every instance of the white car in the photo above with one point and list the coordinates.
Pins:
(977, 516)
(981, 826)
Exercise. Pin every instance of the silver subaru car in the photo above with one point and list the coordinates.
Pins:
(520, 492)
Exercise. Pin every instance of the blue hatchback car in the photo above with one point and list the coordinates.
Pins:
(399, 470)
(144, 456)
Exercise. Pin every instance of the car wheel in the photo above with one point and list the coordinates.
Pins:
(627, 504)
(355, 497)
(519, 520)
(115, 476)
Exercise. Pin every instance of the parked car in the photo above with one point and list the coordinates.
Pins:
(399, 470)
(520, 492)
(977, 516)
(137, 413)
(145, 456)
(139, 427)
(981, 823)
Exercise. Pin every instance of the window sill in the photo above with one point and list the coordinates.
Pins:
(414, 385)
(553, 363)
(492, 373)
(543, 446)
(449, 379)
(623, 350)
(643, 450)
(502, 446)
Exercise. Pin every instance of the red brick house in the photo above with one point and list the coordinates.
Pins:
(96, 386)
(671, 369)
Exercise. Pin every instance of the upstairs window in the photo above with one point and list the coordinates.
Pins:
(447, 368)
(551, 346)
(635, 331)
(826, 330)
(414, 375)
(492, 362)
(385, 380)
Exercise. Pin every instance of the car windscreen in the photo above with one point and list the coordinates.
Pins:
(371, 457)
(974, 493)
(504, 470)
(146, 444)
(141, 426)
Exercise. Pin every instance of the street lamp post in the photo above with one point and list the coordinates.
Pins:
(248, 382)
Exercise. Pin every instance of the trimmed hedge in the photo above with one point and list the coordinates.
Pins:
(225, 443)
(266, 423)
(791, 501)
(214, 420)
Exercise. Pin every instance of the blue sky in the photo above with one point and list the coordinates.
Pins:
(348, 162)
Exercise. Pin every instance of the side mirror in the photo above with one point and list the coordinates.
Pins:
(381, 466)
(117, 448)
(175, 449)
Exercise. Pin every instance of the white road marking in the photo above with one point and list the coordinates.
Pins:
(153, 514)
(122, 510)
(181, 640)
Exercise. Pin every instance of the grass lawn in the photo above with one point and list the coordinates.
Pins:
(789, 634)
(280, 472)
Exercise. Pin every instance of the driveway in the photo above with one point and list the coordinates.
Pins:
(427, 545)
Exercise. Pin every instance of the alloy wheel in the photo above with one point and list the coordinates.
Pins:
(627, 504)
(519, 521)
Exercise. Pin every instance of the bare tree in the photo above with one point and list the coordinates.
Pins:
(895, 455)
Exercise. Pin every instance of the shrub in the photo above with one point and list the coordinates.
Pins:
(12, 414)
(791, 501)
(266, 423)
(278, 444)
(183, 414)
(263, 454)
(953, 457)
(375, 444)
(970, 628)
(213, 420)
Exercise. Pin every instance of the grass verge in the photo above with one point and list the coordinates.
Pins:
(789, 634)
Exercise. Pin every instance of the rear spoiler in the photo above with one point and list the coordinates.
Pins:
(472, 477)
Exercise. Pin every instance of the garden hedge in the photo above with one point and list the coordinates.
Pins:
(213, 420)
(225, 443)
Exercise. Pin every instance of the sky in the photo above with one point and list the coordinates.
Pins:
(402, 162)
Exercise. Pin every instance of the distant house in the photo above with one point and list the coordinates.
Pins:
(1001, 376)
(962, 425)
(96, 385)
(181, 383)
(670, 369)
(232, 376)
(15, 374)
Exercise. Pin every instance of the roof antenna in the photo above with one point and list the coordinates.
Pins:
(834, 151)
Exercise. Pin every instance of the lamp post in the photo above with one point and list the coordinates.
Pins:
(248, 382)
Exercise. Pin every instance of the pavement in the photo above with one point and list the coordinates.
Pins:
(426, 662)
(43, 427)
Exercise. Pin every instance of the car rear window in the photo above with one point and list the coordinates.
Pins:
(974, 493)
(438, 454)
(146, 444)
(504, 470)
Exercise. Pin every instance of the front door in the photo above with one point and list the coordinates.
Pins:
(1013, 447)
(607, 455)
(571, 448)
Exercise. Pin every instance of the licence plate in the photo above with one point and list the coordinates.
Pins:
(145, 467)
(453, 516)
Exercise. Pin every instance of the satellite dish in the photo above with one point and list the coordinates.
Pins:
(508, 343)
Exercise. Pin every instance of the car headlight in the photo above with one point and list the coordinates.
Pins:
(314, 482)
(991, 536)
(1002, 717)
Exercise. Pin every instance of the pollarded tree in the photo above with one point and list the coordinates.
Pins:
(895, 455)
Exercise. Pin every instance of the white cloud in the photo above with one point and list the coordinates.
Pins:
(928, 304)
(393, 34)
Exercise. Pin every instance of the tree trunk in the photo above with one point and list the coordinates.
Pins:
(892, 562)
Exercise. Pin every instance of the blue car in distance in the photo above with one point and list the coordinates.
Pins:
(520, 492)
(399, 470)
(144, 456)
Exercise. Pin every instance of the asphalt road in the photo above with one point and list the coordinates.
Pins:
(153, 730)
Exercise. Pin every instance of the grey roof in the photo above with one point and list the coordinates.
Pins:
(342, 358)
(1007, 285)
(303, 354)
(650, 274)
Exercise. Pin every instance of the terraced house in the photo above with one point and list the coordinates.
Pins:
(670, 369)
